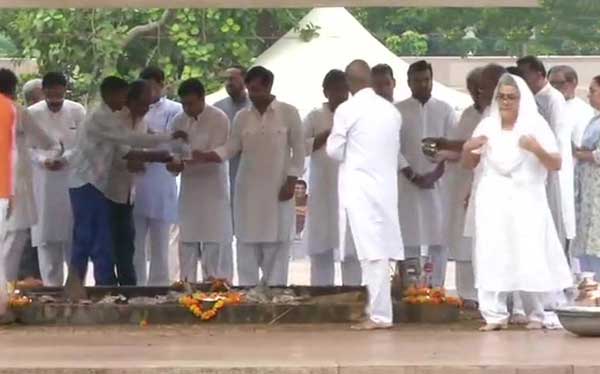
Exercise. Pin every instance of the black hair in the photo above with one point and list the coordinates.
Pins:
(514, 70)
(136, 89)
(421, 65)
(8, 82)
(53, 79)
(265, 75)
(333, 77)
(153, 73)
(596, 79)
(111, 85)
(302, 182)
(240, 68)
(382, 69)
(568, 71)
(533, 63)
(192, 86)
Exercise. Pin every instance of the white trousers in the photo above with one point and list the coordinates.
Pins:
(439, 260)
(13, 244)
(226, 262)
(376, 277)
(158, 232)
(322, 270)
(206, 252)
(465, 280)
(52, 257)
(494, 309)
(272, 259)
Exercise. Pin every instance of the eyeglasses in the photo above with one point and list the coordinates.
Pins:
(509, 97)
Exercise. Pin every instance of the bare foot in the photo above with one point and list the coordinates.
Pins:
(534, 325)
(370, 325)
(493, 327)
(519, 319)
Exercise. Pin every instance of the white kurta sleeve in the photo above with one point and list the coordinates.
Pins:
(336, 143)
(297, 144)
(119, 134)
(546, 138)
(36, 136)
(233, 145)
(309, 133)
(402, 161)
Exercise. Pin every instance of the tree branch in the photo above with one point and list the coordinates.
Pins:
(149, 28)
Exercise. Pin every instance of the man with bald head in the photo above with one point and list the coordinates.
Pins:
(365, 139)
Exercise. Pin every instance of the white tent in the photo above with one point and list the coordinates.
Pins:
(300, 66)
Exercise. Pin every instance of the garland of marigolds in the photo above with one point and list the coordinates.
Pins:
(221, 299)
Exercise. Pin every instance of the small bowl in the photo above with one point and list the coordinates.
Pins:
(580, 320)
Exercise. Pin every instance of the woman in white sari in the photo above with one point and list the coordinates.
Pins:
(516, 244)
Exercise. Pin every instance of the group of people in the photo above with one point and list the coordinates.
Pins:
(498, 197)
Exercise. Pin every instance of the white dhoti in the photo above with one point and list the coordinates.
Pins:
(376, 277)
(52, 257)
(158, 231)
(494, 309)
(225, 270)
(206, 252)
(322, 270)
(272, 259)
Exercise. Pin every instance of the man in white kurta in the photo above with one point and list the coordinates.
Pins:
(22, 212)
(564, 78)
(421, 201)
(365, 139)
(156, 201)
(205, 219)
(270, 139)
(52, 234)
(322, 222)
(551, 105)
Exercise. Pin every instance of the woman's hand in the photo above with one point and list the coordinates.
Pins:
(529, 143)
(475, 144)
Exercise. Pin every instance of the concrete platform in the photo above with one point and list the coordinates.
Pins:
(297, 349)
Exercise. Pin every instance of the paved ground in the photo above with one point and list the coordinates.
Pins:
(329, 349)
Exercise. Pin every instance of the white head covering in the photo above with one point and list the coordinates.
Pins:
(503, 151)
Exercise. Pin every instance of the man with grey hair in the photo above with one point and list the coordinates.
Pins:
(564, 78)
(29, 269)
(33, 92)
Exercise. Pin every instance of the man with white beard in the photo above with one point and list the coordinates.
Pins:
(60, 118)
(322, 220)
(421, 207)
(551, 105)
(564, 78)
(365, 139)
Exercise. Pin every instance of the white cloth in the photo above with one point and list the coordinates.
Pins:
(363, 126)
(99, 139)
(151, 245)
(272, 259)
(51, 189)
(494, 310)
(376, 277)
(206, 252)
(322, 270)
(272, 148)
(580, 113)
(422, 212)
(156, 189)
(226, 261)
(204, 206)
(12, 244)
(321, 232)
(29, 134)
(52, 257)
(516, 247)
(561, 185)
(458, 181)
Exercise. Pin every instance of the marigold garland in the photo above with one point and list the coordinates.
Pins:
(194, 303)
(426, 295)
